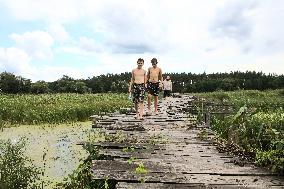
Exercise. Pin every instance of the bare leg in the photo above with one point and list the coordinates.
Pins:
(141, 110)
(136, 109)
(149, 102)
(156, 104)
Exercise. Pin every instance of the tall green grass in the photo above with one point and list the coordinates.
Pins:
(260, 130)
(57, 108)
(262, 100)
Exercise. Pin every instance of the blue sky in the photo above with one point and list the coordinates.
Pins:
(44, 40)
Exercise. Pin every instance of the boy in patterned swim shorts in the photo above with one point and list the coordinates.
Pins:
(137, 87)
(154, 77)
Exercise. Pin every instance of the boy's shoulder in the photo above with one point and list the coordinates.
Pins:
(144, 71)
(136, 69)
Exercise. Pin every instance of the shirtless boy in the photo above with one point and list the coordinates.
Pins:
(154, 76)
(137, 87)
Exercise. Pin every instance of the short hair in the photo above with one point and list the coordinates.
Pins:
(140, 60)
(154, 60)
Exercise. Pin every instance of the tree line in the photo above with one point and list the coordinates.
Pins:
(118, 83)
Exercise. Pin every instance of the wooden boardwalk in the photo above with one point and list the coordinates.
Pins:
(163, 151)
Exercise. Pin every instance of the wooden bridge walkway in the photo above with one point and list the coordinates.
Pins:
(164, 151)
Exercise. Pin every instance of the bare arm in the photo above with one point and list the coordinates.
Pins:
(145, 78)
(148, 75)
(131, 81)
(161, 75)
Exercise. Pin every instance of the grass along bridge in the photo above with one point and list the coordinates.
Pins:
(164, 151)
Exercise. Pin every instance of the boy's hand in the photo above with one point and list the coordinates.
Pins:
(129, 96)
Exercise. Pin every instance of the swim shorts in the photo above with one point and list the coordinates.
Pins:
(138, 92)
(153, 88)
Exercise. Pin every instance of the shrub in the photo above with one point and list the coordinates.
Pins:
(17, 170)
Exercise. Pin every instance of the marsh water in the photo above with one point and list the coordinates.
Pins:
(52, 147)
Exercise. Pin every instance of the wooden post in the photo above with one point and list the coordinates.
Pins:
(207, 118)
(202, 111)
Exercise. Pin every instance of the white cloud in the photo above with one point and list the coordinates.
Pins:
(89, 45)
(266, 64)
(15, 60)
(156, 27)
(83, 46)
(71, 49)
(161, 26)
(58, 32)
(50, 11)
(185, 36)
(50, 73)
(232, 21)
(36, 43)
(268, 30)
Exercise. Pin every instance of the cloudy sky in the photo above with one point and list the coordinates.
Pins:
(44, 40)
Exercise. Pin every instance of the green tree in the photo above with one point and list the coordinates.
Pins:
(80, 87)
(9, 83)
(228, 84)
(65, 84)
(40, 87)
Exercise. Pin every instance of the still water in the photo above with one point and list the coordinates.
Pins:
(52, 147)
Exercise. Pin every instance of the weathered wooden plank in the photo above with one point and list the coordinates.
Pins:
(125, 185)
(206, 179)
(171, 153)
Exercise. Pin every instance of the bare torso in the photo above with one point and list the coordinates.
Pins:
(139, 76)
(154, 74)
